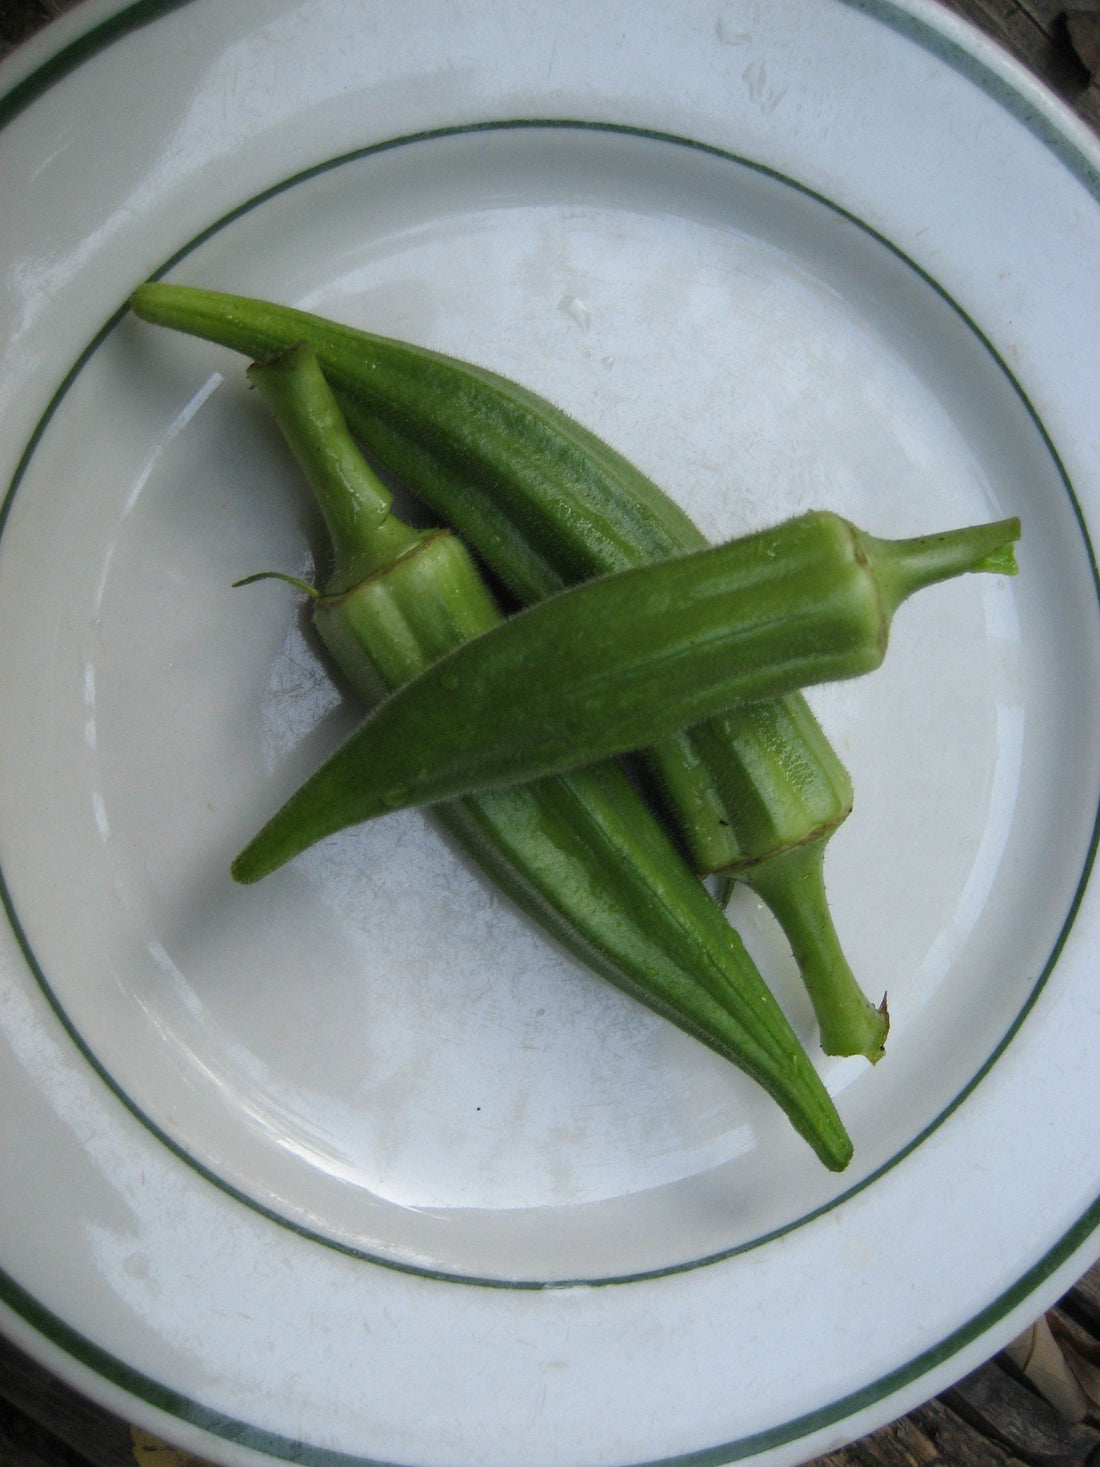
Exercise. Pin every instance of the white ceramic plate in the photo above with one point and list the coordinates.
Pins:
(355, 1166)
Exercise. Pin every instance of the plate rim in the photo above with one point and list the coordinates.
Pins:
(81, 33)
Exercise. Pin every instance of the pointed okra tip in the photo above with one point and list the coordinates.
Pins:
(834, 1146)
(245, 871)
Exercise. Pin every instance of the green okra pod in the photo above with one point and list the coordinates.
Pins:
(582, 854)
(624, 660)
(546, 503)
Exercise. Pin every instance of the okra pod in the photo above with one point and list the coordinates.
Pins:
(623, 660)
(582, 854)
(546, 503)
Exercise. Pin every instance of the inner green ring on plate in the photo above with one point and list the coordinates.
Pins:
(85, 1049)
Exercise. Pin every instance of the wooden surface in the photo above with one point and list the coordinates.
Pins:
(997, 1417)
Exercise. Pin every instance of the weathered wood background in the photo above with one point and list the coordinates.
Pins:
(997, 1417)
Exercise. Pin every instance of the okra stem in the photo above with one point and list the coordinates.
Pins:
(901, 567)
(792, 883)
(582, 854)
(619, 663)
(354, 502)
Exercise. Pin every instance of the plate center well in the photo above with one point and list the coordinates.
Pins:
(371, 1044)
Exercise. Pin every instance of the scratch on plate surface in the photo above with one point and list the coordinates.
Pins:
(766, 93)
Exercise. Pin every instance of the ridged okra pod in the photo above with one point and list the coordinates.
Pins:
(622, 661)
(755, 793)
(581, 854)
